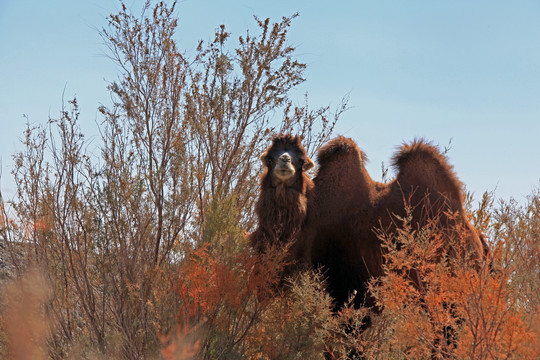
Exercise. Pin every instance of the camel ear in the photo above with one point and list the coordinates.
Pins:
(263, 158)
(308, 164)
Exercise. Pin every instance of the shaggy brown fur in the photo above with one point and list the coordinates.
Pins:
(282, 204)
(347, 206)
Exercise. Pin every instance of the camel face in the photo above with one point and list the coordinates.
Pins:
(284, 169)
(286, 159)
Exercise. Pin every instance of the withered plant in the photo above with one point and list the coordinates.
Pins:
(110, 222)
(434, 304)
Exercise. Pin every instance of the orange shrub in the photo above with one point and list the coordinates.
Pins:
(233, 306)
(433, 305)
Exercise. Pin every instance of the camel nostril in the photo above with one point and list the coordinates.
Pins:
(285, 158)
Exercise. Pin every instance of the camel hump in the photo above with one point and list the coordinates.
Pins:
(421, 163)
(341, 175)
(338, 146)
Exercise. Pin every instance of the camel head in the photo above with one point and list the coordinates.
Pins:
(286, 159)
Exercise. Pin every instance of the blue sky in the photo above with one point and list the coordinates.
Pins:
(465, 71)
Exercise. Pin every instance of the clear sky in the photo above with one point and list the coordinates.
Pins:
(465, 71)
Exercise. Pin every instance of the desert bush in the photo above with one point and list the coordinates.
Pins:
(109, 222)
(233, 310)
(432, 305)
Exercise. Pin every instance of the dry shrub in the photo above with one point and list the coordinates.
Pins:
(296, 325)
(436, 305)
(111, 220)
(233, 307)
(515, 230)
(493, 323)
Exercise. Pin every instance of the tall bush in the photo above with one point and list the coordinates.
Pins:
(175, 171)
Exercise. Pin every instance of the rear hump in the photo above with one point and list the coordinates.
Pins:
(422, 163)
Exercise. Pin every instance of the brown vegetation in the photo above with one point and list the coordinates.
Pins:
(483, 308)
(109, 222)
